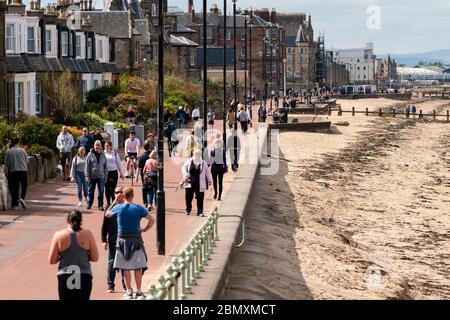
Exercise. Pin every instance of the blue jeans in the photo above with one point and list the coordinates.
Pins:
(100, 182)
(82, 185)
(151, 193)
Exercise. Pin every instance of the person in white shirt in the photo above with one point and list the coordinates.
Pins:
(65, 144)
(243, 118)
(196, 114)
(114, 171)
(131, 152)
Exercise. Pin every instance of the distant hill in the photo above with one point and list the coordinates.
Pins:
(413, 58)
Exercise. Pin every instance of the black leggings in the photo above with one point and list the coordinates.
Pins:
(69, 293)
(216, 175)
(17, 183)
(110, 185)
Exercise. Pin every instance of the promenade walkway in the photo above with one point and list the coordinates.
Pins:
(25, 236)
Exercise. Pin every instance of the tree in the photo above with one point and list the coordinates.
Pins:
(62, 96)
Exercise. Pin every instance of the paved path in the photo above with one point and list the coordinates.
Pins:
(25, 236)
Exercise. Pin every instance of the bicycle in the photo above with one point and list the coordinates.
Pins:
(132, 174)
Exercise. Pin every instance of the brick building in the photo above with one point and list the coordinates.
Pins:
(39, 47)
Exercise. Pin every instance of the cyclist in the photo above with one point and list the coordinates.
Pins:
(131, 152)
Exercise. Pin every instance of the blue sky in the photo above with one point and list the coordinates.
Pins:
(407, 26)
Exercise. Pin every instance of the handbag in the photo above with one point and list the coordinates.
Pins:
(151, 178)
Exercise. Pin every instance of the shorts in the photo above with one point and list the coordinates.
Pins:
(211, 122)
(65, 157)
(132, 155)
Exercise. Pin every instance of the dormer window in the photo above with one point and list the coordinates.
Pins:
(10, 38)
(65, 43)
(31, 41)
(89, 48)
(78, 46)
(48, 41)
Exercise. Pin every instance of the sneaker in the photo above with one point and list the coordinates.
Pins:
(80, 204)
(128, 295)
(127, 176)
(110, 290)
(200, 214)
(87, 202)
(15, 208)
(140, 296)
(187, 213)
(23, 204)
(101, 208)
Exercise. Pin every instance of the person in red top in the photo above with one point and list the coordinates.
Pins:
(150, 177)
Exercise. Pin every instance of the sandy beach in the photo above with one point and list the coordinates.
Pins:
(357, 213)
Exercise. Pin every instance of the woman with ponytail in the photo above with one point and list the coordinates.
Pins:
(74, 248)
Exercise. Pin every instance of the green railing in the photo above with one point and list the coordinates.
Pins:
(185, 269)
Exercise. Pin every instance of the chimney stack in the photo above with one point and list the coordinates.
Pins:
(190, 6)
(273, 16)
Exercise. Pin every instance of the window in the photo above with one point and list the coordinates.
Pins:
(154, 10)
(18, 96)
(242, 34)
(31, 43)
(100, 49)
(78, 46)
(136, 51)
(242, 65)
(89, 48)
(192, 57)
(65, 43)
(274, 34)
(242, 52)
(10, 37)
(19, 36)
(209, 33)
(48, 41)
(38, 95)
(268, 51)
(228, 34)
(95, 84)
(85, 87)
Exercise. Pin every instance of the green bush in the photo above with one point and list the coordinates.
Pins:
(6, 133)
(87, 119)
(102, 95)
(45, 152)
(41, 131)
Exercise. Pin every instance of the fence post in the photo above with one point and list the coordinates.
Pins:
(367, 112)
(420, 114)
(329, 110)
(216, 221)
(340, 111)
(407, 113)
(353, 111)
(448, 115)
(393, 113)
(434, 115)
(380, 114)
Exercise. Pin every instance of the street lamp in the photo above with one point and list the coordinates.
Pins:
(250, 25)
(284, 79)
(224, 74)
(160, 195)
(205, 76)
(245, 14)
(235, 164)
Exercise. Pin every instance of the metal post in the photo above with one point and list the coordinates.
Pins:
(271, 69)
(250, 72)
(160, 195)
(205, 78)
(245, 59)
(235, 86)
(224, 74)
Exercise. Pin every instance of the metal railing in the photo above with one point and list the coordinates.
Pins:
(185, 269)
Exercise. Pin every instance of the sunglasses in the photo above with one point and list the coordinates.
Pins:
(118, 192)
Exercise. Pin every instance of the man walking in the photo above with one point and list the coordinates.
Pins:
(16, 170)
(65, 144)
(109, 239)
(85, 140)
(130, 250)
(95, 173)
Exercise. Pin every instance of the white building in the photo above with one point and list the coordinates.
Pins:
(360, 62)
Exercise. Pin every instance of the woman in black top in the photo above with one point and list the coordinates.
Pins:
(218, 167)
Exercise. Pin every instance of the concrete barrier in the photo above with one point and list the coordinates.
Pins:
(211, 285)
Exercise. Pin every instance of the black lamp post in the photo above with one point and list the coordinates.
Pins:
(160, 195)
(235, 86)
(250, 24)
(271, 72)
(205, 76)
(224, 74)
(245, 14)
